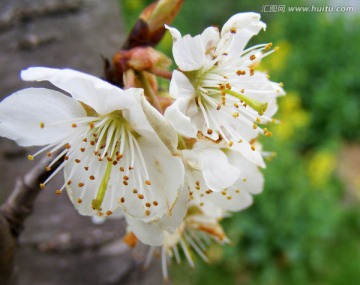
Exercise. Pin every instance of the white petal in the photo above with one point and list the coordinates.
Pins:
(175, 114)
(134, 114)
(180, 86)
(161, 126)
(152, 233)
(166, 174)
(188, 52)
(216, 204)
(252, 155)
(146, 233)
(38, 116)
(242, 21)
(218, 173)
(98, 94)
(210, 37)
(247, 25)
(234, 200)
(171, 222)
(251, 179)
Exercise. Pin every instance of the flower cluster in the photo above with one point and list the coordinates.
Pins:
(173, 177)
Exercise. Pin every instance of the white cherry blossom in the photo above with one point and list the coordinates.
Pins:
(243, 178)
(217, 91)
(197, 231)
(113, 159)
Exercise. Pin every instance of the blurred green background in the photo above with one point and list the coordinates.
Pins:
(305, 227)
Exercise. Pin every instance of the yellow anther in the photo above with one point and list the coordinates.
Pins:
(268, 46)
(147, 182)
(30, 157)
(42, 125)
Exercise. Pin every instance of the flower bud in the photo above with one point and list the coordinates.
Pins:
(149, 29)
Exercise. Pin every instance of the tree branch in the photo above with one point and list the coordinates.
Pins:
(16, 209)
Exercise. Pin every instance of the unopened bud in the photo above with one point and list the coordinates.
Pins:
(149, 29)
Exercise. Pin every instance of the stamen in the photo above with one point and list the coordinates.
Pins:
(164, 264)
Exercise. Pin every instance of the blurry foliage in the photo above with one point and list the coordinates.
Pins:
(299, 231)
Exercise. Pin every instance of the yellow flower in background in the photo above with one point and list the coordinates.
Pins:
(321, 167)
(296, 117)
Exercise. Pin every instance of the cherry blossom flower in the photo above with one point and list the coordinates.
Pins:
(197, 231)
(217, 90)
(242, 177)
(113, 159)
